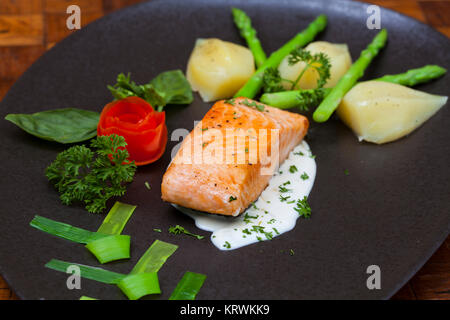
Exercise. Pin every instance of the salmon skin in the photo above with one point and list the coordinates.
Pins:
(226, 162)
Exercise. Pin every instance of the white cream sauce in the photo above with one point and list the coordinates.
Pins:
(272, 214)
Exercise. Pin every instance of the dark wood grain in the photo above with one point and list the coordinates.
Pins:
(30, 27)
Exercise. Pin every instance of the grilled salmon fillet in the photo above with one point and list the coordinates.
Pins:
(225, 163)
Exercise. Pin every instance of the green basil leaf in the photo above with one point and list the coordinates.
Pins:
(67, 125)
(154, 97)
(174, 87)
(170, 87)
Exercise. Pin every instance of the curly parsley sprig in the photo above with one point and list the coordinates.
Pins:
(305, 99)
(301, 99)
(318, 61)
(92, 175)
(272, 81)
(310, 98)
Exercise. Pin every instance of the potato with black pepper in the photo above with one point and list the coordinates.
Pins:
(218, 69)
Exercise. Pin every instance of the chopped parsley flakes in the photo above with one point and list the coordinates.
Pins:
(303, 208)
(253, 104)
(230, 101)
(179, 230)
(283, 189)
(247, 217)
(304, 176)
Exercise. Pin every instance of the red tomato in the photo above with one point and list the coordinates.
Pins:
(143, 128)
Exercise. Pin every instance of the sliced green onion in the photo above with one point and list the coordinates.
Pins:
(110, 248)
(92, 273)
(154, 258)
(188, 287)
(116, 219)
(135, 286)
(87, 298)
(65, 231)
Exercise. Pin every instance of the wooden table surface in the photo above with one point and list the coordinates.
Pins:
(30, 27)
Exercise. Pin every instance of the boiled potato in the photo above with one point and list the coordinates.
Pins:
(381, 112)
(218, 69)
(340, 60)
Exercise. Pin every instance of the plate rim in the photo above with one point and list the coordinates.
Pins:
(123, 11)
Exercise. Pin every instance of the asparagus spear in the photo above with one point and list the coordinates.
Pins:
(415, 76)
(410, 78)
(356, 71)
(254, 84)
(288, 99)
(244, 24)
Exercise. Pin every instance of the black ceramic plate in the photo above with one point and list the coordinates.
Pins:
(391, 210)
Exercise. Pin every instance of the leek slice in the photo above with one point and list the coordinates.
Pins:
(116, 219)
(188, 287)
(65, 230)
(154, 258)
(87, 298)
(88, 272)
(110, 248)
(141, 281)
(106, 244)
(135, 286)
